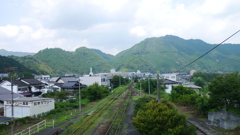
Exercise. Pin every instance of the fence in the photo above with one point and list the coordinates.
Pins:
(36, 128)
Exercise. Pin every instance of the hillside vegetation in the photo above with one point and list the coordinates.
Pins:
(170, 53)
(163, 54)
(78, 62)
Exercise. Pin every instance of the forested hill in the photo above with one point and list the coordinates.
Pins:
(6, 62)
(157, 54)
(9, 53)
(170, 53)
(78, 62)
(104, 55)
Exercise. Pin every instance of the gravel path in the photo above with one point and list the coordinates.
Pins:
(128, 128)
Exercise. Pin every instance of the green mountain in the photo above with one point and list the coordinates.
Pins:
(78, 62)
(104, 55)
(4, 52)
(6, 62)
(34, 64)
(170, 53)
(162, 54)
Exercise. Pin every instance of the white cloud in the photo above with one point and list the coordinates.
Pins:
(9, 31)
(138, 31)
(43, 34)
(113, 25)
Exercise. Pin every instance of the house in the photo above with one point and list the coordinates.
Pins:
(35, 85)
(6, 94)
(72, 86)
(26, 86)
(65, 79)
(28, 106)
(17, 86)
(168, 83)
(42, 77)
(170, 76)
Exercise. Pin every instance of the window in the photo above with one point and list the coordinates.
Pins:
(26, 103)
(35, 103)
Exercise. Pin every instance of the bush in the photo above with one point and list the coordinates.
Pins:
(161, 119)
(140, 103)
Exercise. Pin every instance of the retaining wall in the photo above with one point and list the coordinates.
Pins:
(227, 120)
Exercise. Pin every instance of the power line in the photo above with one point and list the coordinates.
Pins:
(207, 52)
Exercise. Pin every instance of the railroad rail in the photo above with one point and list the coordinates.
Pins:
(113, 129)
(90, 119)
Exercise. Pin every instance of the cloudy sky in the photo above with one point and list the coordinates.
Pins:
(112, 25)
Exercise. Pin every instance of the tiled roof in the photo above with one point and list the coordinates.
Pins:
(167, 81)
(18, 83)
(67, 78)
(31, 81)
(31, 99)
(72, 85)
(6, 94)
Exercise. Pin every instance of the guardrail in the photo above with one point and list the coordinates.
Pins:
(36, 128)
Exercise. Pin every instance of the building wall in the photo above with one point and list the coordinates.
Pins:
(20, 110)
(42, 106)
(28, 108)
(90, 80)
(7, 85)
(168, 89)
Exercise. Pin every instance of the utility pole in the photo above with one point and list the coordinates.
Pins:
(140, 88)
(80, 108)
(158, 88)
(119, 81)
(12, 119)
(148, 86)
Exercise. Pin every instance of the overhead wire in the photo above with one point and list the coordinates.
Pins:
(207, 51)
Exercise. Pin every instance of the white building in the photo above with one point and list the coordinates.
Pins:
(42, 77)
(90, 80)
(172, 76)
(28, 106)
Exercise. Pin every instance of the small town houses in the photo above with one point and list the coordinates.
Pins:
(27, 92)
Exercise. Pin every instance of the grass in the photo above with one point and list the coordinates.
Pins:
(106, 114)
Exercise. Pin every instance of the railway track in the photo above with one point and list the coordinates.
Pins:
(118, 118)
(83, 126)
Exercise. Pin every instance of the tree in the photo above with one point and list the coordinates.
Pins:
(152, 83)
(61, 95)
(161, 119)
(199, 81)
(94, 92)
(179, 91)
(140, 103)
(25, 74)
(118, 80)
(207, 77)
(224, 91)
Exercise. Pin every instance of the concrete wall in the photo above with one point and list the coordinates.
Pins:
(31, 108)
(227, 120)
(42, 106)
(90, 80)
(168, 88)
(229, 124)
